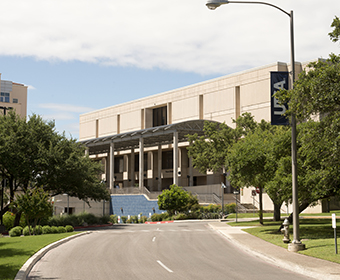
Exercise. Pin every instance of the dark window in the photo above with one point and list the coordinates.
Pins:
(159, 116)
(167, 160)
(137, 162)
(119, 164)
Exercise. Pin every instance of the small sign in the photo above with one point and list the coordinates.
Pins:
(253, 193)
(333, 221)
(258, 190)
(236, 192)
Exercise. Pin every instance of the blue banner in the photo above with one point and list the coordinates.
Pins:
(278, 81)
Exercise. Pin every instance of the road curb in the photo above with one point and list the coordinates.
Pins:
(282, 262)
(26, 268)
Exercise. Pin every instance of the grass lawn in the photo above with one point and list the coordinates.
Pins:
(15, 251)
(316, 233)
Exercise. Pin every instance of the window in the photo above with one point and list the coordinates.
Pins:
(119, 164)
(4, 97)
(167, 160)
(159, 116)
(15, 100)
(145, 162)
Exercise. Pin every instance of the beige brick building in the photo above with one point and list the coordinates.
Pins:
(142, 143)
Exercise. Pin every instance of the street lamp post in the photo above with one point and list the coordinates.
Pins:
(296, 244)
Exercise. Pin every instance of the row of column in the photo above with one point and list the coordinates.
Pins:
(141, 164)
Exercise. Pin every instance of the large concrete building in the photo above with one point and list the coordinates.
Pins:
(142, 143)
(13, 96)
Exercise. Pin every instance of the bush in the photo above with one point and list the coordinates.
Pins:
(61, 229)
(161, 217)
(180, 216)
(38, 230)
(16, 231)
(26, 231)
(124, 219)
(104, 219)
(69, 228)
(114, 219)
(8, 220)
(46, 230)
(87, 218)
(54, 229)
(143, 219)
(230, 208)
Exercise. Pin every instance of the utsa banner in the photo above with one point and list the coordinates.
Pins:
(278, 81)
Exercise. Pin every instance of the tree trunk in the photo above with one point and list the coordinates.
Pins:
(302, 207)
(261, 206)
(277, 212)
(17, 219)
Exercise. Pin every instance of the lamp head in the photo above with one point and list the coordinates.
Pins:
(213, 4)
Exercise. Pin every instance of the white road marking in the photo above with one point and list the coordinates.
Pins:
(165, 267)
(153, 239)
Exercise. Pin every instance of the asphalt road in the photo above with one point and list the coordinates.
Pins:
(157, 251)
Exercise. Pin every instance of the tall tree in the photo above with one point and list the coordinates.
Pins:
(315, 100)
(33, 154)
(255, 159)
(210, 150)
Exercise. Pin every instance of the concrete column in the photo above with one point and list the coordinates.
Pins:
(132, 168)
(141, 164)
(112, 167)
(175, 161)
(191, 172)
(159, 171)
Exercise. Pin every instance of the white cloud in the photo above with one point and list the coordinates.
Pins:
(30, 87)
(176, 35)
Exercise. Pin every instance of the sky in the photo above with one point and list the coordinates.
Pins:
(77, 56)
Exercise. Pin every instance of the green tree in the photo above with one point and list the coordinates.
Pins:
(315, 100)
(176, 199)
(254, 160)
(209, 151)
(35, 205)
(33, 154)
(335, 34)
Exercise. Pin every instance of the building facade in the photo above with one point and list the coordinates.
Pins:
(142, 143)
(13, 96)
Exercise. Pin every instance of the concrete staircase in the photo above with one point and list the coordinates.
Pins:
(124, 205)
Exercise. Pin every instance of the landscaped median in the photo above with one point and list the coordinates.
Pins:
(316, 233)
(16, 251)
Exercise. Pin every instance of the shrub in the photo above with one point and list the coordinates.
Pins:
(72, 220)
(8, 220)
(16, 231)
(38, 230)
(161, 217)
(180, 216)
(104, 219)
(134, 219)
(143, 219)
(46, 230)
(87, 218)
(124, 219)
(69, 228)
(114, 219)
(26, 231)
(54, 229)
(231, 208)
(61, 229)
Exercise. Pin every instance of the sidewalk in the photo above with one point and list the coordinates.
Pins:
(309, 266)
